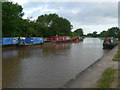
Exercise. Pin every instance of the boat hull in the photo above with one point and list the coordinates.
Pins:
(62, 41)
(109, 43)
(106, 46)
(25, 45)
(59, 39)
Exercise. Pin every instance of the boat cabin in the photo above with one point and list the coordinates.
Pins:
(59, 38)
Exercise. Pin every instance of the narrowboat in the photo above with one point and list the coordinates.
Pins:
(59, 39)
(109, 42)
(0, 41)
(77, 39)
(27, 41)
(9, 41)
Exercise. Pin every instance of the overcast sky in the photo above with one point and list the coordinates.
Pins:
(91, 16)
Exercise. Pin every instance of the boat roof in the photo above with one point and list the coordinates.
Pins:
(58, 36)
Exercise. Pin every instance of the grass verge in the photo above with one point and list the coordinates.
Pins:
(117, 55)
(107, 78)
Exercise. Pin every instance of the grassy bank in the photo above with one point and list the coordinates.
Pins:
(110, 75)
(107, 78)
(117, 55)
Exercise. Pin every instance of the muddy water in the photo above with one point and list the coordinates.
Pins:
(50, 65)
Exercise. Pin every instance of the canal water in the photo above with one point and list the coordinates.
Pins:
(50, 65)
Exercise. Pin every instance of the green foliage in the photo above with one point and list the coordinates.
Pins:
(112, 32)
(11, 18)
(89, 35)
(119, 35)
(94, 34)
(117, 55)
(45, 26)
(103, 34)
(54, 25)
(78, 32)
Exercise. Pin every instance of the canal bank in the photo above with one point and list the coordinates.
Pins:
(90, 76)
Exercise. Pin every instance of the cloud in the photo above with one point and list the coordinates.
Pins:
(21, 2)
(91, 28)
(87, 15)
(37, 11)
(71, 0)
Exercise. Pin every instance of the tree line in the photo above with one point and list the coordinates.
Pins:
(13, 25)
(111, 32)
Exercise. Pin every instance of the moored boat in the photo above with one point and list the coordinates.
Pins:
(29, 41)
(109, 42)
(9, 41)
(78, 39)
(21, 41)
(59, 39)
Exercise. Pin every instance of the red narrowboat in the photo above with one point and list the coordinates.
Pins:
(59, 39)
(78, 39)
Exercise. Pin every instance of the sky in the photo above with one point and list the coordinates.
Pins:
(90, 16)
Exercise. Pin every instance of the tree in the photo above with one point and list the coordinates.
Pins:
(94, 34)
(103, 34)
(119, 35)
(79, 32)
(11, 17)
(26, 28)
(54, 25)
(45, 26)
(112, 32)
(89, 35)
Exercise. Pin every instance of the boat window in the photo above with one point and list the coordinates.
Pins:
(14, 39)
(61, 38)
(56, 38)
(67, 38)
(111, 40)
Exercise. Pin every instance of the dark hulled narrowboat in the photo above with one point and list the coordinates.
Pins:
(109, 42)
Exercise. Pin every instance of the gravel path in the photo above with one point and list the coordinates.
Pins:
(89, 77)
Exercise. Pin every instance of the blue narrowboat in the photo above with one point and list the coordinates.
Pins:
(21, 41)
(31, 41)
(9, 41)
(0, 41)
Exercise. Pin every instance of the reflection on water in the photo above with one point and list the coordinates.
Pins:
(55, 48)
(50, 65)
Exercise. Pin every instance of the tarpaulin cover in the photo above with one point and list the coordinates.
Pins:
(34, 40)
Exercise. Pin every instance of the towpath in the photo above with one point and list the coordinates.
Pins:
(89, 77)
